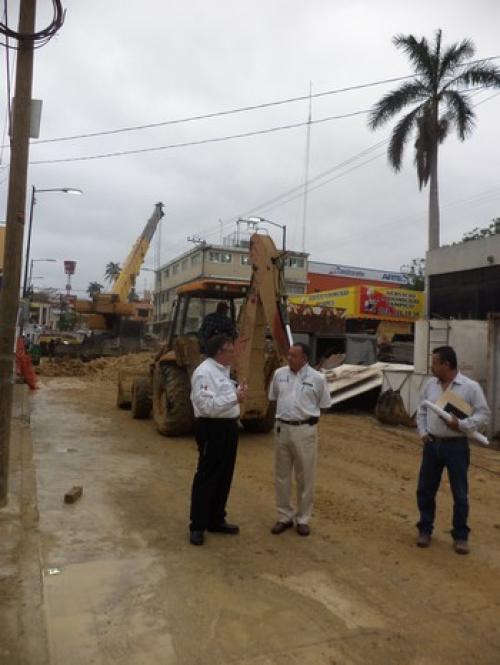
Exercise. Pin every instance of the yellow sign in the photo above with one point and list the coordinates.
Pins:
(369, 302)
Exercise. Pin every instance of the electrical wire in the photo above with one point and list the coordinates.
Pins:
(241, 109)
(41, 37)
(8, 110)
(216, 139)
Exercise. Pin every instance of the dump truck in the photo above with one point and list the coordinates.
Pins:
(259, 311)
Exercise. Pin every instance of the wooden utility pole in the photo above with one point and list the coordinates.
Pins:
(16, 202)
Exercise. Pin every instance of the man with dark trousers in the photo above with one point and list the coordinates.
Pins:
(446, 444)
(216, 404)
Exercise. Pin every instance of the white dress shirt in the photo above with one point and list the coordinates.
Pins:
(428, 422)
(299, 395)
(213, 393)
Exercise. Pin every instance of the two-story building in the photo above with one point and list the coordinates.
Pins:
(229, 261)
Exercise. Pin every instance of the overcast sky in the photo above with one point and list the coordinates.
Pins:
(118, 64)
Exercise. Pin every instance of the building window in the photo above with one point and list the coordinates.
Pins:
(220, 257)
(294, 288)
(295, 262)
(195, 259)
(175, 269)
(184, 264)
(245, 260)
(166, 272)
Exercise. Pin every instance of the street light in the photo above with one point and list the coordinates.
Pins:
(260, 220)
(30, 279)
(34, 190)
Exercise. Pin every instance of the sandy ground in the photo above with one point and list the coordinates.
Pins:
(122, 584)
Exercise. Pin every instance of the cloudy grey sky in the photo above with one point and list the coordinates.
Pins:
(119, 64)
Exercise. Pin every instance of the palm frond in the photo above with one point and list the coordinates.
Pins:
(393, 102)
(400, 136)
(454, 56)
(417, 52)
(460, 112)
(481, 74)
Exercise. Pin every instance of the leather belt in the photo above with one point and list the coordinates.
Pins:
(294, 423)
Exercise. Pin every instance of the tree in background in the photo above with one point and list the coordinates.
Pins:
(112, 271)
(442, 78)
(492, 230)
(94, 288)
(415, 274)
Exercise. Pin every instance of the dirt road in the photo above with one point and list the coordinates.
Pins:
(122, 584)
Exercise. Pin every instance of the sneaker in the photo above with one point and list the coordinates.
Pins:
(461, 547)
(424, 539)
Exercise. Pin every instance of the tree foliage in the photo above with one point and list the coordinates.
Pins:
(94, 288)
(477, 233)
(438, 97)
(112, 271)
(415, 274)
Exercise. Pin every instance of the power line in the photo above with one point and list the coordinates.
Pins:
(216, 139)
(241, 109)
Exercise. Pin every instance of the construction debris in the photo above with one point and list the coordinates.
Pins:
(102, 369)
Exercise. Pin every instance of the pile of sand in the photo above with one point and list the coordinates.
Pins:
(101, 369)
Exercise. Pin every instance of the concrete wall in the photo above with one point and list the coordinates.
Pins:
(464, 256)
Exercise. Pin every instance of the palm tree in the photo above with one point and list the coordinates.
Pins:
(112, 271)
(442, 78)
(94, 288)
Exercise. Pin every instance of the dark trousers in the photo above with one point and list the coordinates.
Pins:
(437, 454)
(217, 440)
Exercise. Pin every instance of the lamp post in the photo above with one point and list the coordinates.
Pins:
(34, 190)
(30, 278)
(263, 220)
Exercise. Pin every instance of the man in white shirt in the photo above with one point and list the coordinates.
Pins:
(216, 404)
(300, 392)
(446, 445)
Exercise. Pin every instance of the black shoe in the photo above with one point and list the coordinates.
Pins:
(196, 537)
(424, 539)
(225, 527)
(303, 529)
(461, 547)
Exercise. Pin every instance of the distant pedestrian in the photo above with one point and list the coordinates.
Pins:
(51, 347)
(300, 392)
(216, 404)
(446, 445)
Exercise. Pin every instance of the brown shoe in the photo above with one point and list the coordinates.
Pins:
(279, 527)
(424, 539)
(461, 547)
(303, 529)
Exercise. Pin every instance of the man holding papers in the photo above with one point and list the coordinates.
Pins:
(446, 444)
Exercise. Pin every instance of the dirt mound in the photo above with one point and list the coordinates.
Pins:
(101, 369)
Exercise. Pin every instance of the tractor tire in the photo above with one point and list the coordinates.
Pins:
(261, 425)
(172, 410)
(141, 398)
(122, 399)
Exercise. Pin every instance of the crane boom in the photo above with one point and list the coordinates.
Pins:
(132, 266)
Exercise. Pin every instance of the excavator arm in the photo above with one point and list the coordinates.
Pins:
(264, 310)
(132, 266)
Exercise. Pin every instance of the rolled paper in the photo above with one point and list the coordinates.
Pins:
(447, 417)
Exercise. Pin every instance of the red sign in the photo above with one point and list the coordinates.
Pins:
(69, 267)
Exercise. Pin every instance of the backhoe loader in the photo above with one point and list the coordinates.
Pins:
(263, 338)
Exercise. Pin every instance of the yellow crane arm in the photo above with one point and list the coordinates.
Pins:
(132, 266)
